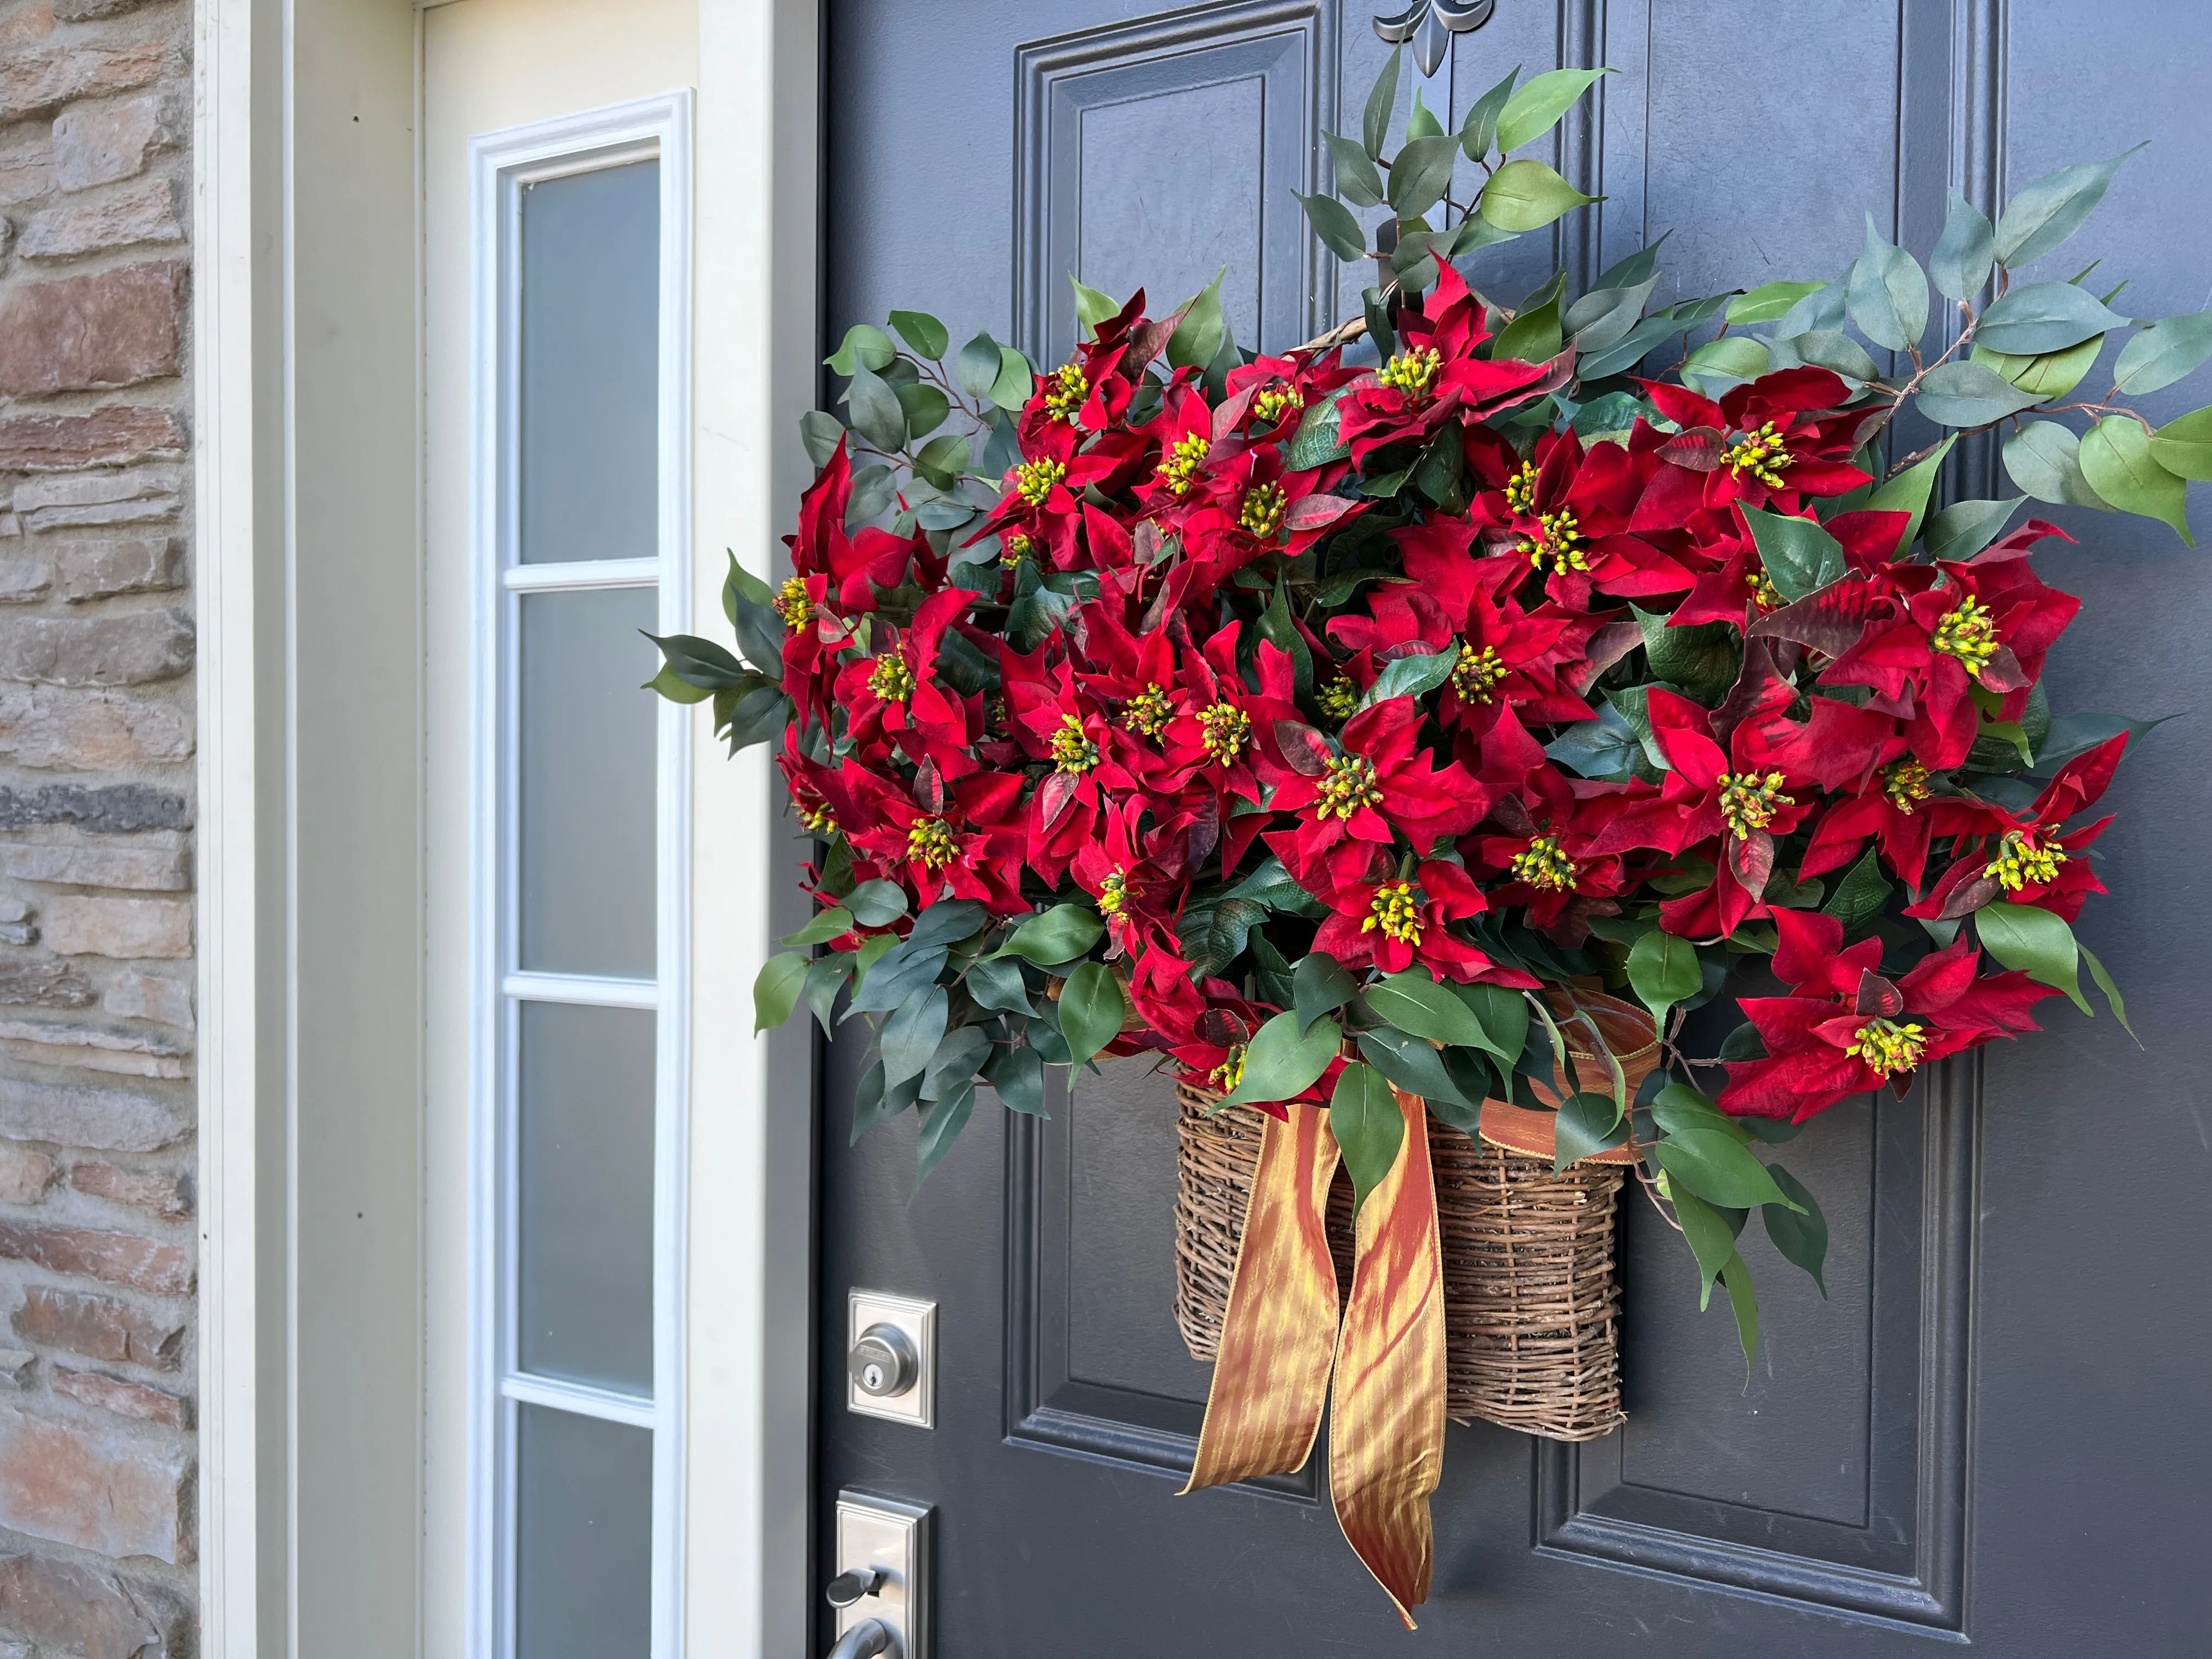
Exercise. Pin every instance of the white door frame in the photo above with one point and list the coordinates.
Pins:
(308, 555)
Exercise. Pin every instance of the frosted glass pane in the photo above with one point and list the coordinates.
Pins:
(589, 779)
(585, 1192)
(583, 1538)
(590, 328)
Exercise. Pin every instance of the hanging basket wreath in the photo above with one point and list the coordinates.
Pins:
(1346, 727)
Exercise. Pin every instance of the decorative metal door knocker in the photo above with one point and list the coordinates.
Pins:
(1427, 23)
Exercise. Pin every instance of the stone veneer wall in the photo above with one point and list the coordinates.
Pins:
(97, 1254)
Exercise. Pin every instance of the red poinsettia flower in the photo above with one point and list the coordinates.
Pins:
(1765, 444)
(1391, 914)
(1248, 504)
(1092, 390)
(2030, 859)
(1435, 377)
(1040, 514)
(857, 565)
(1206, 1028)
(1380, 784)
(1269, 397)
(1567, 511)
(897, 695)
(1848, 1030)
(963, 841)
(1217, 735)
(1135, 872)
(1542, 835)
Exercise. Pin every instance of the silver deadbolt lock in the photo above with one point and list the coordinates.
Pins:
(883, 1363)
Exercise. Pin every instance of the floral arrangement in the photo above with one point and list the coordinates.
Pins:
(1325, 723)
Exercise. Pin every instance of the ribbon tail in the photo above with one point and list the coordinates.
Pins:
(1386, 1436)
(1277, 1337)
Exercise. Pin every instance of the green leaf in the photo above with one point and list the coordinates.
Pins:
(2050, 210)
(1887, 294)
(820, 431)
(2117, 461)
(834, 922)
(825, 977)
(1280, 1064)
(1198, 337)
(2164, 352)
(1677, 1109)
(1478, 133)
(1419, 1068)
(995, 983)
(1585, 1123)
(701, 663)
(2044, 459)
(872, 1105)
(1421, 174)
(2047, 374)
(877, 903)
(1703, 658)
(1016, 381)
(2043, 316)
(1718, 364)
(1965, 252)
(776, 988)
(2035, 941)
(978, 366)
(1858, 897)
(1663, 969)
(1315, 444)
(676, 688)
(1606, 747)
(1320, 986)
(865, 346)
(1801, 556)
(1017, 1075)
(911, 1035)
(1909, 490)
(941, 1124)
(2112, 991)
(1801, 1234)
(1528, 195)
(1279, 631)
(1356, 180)
(1333, 222)
(1060, 934)
(1382, 104)
(925, 333)
(1410, 676)
(2183, 446)
(1743, 1301)
(1820, 312)
(1364, 1117)
(947, 922)
(877, 415)
(1825, 348)
(1770, 302)
(1413, 1002)
(1964, 528)
(1717, 1168)
(1536, 108)
(1603, 318)
(1502, 1014)
(1535, 335)
(1092, 1010)
(1970, 394)
(953, 1064)
(1092, 307)
(1711, 1240)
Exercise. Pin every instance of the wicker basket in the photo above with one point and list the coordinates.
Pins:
(1531, 1309)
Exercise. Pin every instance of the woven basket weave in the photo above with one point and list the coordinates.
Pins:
(1531, 1309)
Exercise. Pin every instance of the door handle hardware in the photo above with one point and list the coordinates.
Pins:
(853, 1585)
(883, 1363)
(881, 1592)
(890, 1357)
(870, 1638)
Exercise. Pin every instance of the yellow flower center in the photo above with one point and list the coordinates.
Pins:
(1065, 393)
(818, 820)
(1905, 783)
(1478, 673)
(1038, 479)
(1748, 801)
(1181, 464)
(1072, 751)
(891, 679)
(2020, 862)
(1520, 490)
(1396, 912)
(930, 843)
(1413, 372)
(1559, 538)
(792, 605)
(1227, 1076)
(1762, 454)
(1149, 712)
(1114, 892)
(1016, 548)
(1338, 699)
(1969, 634)
(1263, 510)
(1225, 729)
(1350, 785)
(1277, 399)
(1888, 1047)
(1764, 593)
(1544, 866)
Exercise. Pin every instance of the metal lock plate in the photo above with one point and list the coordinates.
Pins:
(914, 1320)
(893, 1537)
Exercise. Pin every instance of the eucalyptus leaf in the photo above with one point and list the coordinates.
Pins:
(1382, 104)
(1017, 1076)
(941, 1124)
(877, 415)
(1478, 133)
(1364, 1118)
(2117, 461)
(1527, 195)
(1092, 1010)
(1800, 556)
(1964, 528)
(1718, 364)
(777, 987)
(1799, 1234)
(1585, 1123)
(1536, 109)
(911, 1035)
(1280, 1064)
(2037, 942)
(977, 366)
(1333, 222)
(1770, 302)
(926, 335)
(1319, 984)
(2043, 316)
(2183, 446)
(2164, 352)
(1060, 934)
(865, 346)
(877, 903)
(1966, 252)
(1663, 971)
(1887, 294)
(2044, 214)
(821, 432)
(1969, 394)
(1421, 174)
(1356, 180)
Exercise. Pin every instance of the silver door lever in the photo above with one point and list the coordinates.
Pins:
(870, 1638)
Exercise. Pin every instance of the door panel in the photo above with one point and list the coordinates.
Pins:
(1971, 1434)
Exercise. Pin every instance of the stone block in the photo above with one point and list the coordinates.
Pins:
(113, 436)
(145, 211)
(149, 564)
(41, 727)
(76, 1610)
(149, 869)
(123, 1398)
(46, 76)
(96, 651)
(99, 146)
(111, 328)
(50, 982)
(24, 1174)
(24, 580)
(95, 1048)
(26, 171)
(149, 996)
(16, 1367)
(161, 1193)
(109, 809)
(82, 1114)
(112, 1490)
(122, 928)
(125, 1258)
(99, 1327)
(76, 500)
(25, 25)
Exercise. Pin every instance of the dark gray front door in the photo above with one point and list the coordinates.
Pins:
(1994, 1429)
